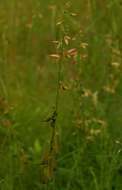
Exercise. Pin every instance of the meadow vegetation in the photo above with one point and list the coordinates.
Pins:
(60, 95)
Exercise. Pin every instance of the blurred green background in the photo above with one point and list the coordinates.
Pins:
(90, 91)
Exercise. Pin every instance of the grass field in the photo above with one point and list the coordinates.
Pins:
(60, 95)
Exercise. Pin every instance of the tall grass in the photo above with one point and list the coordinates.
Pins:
(60, 95)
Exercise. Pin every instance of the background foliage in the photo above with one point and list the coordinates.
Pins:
(60, 95)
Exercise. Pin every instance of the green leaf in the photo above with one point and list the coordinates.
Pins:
(37, 147)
